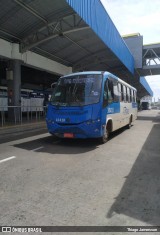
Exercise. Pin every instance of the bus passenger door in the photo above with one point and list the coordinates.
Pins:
(111, 102)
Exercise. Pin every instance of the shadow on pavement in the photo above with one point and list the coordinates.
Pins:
(148, 118)
(139, 197)
(55, 145)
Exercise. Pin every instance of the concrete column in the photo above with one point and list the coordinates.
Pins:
(14, 90)
(17, 82)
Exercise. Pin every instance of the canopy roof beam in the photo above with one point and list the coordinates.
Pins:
(59, 28)
(31, 10)
(10, 35)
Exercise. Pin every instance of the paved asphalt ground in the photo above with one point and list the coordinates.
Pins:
(45, 181)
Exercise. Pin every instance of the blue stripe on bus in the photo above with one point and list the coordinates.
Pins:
(113, 108)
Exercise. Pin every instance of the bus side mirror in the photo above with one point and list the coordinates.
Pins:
(105, 99)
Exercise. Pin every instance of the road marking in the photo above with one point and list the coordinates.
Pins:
(38, 148)
(7, 159)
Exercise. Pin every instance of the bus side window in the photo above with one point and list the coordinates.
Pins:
(126, 90)
(122, 93)
(105, 95)
(134, 96)
(116, 93)
(110, 92)
(108, 95)
(128, 94)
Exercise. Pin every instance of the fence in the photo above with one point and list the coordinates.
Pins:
(15, 115)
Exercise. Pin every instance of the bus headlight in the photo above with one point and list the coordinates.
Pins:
(93, 121)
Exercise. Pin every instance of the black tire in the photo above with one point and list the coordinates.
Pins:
(130, 123)
(104, 138)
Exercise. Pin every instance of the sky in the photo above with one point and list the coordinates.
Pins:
(138, 16)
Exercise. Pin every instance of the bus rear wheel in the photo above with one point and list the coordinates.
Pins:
(130, 123)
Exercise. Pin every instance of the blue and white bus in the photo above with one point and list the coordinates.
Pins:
(90, 105)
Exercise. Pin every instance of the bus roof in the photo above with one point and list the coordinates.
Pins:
(81, 73)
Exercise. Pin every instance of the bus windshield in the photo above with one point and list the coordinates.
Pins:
(78, 90)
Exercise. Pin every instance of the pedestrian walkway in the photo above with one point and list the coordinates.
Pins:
(22, 127)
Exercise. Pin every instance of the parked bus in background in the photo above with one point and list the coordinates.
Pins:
(30, 100)
(145, 102)
(90, 105)
(145, 105)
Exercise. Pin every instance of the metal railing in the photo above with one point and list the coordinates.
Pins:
(15, 115)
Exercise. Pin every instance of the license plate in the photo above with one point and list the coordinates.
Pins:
(68, 135)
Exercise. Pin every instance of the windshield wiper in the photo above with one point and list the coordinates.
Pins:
(76, 100)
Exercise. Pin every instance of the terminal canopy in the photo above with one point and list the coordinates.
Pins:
(78, 34)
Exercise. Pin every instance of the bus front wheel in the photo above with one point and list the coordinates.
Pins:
(105, 136)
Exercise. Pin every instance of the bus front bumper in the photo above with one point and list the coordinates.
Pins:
(89, 129)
